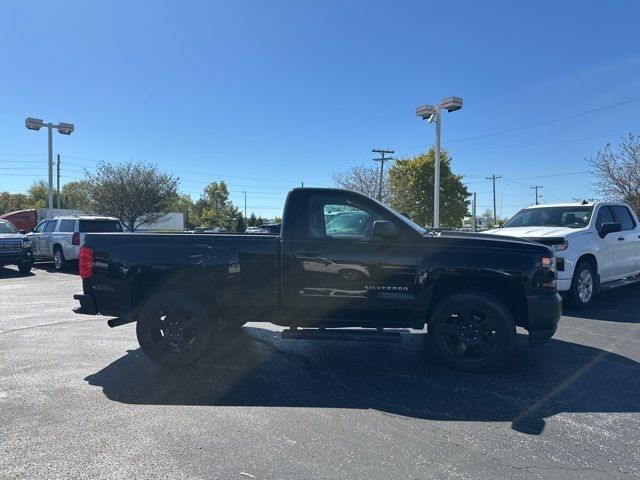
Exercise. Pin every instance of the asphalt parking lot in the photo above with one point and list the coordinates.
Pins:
(79, 400)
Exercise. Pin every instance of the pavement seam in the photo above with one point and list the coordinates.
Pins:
(48, 325)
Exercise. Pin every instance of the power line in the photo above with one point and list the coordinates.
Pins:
(545, 122)
(554, 175)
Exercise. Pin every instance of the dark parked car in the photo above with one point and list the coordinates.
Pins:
(325, 281)
(15, 248)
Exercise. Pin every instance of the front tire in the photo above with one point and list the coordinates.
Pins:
(174, 329)
(25, 268)
(583, 286)
(472, 332)
(59, 262)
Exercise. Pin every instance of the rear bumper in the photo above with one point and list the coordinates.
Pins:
(545, 311)
(87, 304)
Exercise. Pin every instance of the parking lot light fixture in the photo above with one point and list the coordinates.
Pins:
(62, 128)
(431, 113)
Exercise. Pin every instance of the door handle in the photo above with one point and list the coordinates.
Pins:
(310, 252)
(620, 239)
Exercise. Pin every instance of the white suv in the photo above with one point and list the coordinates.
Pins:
(59, 238)
(597, 244)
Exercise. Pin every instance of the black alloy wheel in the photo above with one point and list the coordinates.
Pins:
(174, 329)
(473, 332)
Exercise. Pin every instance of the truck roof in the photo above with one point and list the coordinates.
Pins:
(83, 217)
(575, 204)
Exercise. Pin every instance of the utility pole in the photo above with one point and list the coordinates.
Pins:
(245, 205)
(494, 178)
(58, 182)
(382, 159)
(536, 187)
(473, 213)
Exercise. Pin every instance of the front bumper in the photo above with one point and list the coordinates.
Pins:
(87, 304)
(25, 256)
(545, 311)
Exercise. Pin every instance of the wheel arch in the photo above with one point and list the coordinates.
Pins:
(508, 291)
(590, 258)
(147, 284)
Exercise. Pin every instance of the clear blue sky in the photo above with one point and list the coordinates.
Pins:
(266, 94)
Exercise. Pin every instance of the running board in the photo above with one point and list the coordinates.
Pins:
(620, 283)
(348, 335)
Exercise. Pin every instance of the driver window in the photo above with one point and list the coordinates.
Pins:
(40, 227)
(604, 216)
(339, 218)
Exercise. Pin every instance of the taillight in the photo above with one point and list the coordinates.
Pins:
(75, 239)
(86, 262)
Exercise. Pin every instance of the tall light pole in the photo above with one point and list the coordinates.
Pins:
(64, 129)
(432, 113)
(382, 159)
(245, 205)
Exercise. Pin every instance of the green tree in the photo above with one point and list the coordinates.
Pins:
(10, 202)
(76, 195)
(214, 209)
(411, 183)
(241, 225)
(136, 193)
(185, 205)
(39, 195)
(253, 220)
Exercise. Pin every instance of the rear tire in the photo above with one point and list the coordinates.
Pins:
(472, 332)
(59, 262)
(583, 286)
(25, 268)
(174, 329)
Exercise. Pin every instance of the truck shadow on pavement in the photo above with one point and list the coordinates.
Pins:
(71, 269)
(617, 305)
(257, 368)
(12, 272)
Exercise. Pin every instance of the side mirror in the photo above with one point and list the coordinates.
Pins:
(22, 231)
(384, 230)
(609, 227)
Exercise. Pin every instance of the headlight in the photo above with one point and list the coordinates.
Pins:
(548, 273)
(561, 246)
(548, 263)
(26, 243)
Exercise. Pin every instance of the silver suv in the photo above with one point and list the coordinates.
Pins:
(59, 238)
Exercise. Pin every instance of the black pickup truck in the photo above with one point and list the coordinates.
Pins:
(344, 267)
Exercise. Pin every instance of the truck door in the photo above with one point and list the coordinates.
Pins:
(35, 237)
(606, 259)
(340, 272)
(46, 240)
(627, 252)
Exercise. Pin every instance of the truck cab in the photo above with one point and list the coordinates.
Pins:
(597, 244)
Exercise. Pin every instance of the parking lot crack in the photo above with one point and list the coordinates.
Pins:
(31, 327)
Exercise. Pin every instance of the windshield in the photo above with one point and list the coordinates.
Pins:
(570, 217)
(6, 227)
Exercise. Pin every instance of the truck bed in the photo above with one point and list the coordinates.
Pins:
(242, 269)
